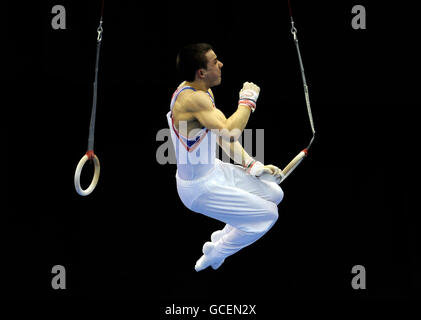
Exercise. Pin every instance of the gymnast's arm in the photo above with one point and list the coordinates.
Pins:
(235, 151)
(202, 108)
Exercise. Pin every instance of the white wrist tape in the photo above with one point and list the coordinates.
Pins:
(254, 167)
(248, 97)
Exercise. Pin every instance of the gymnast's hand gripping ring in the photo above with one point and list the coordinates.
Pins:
(88, 156)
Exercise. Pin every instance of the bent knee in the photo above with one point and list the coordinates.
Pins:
(268, 220)
(276, 194)
(273, 192)
(280, 196)
(274, 215)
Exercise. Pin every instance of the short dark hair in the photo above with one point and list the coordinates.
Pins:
(192, 58)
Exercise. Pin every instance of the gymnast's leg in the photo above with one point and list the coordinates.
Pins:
(248, 217)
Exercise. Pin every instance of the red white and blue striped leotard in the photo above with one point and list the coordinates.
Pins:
(195, 155)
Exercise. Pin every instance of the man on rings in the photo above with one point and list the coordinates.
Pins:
(244, 197)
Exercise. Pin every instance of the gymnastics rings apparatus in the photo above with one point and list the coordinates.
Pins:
(300, 156)
(90, 155)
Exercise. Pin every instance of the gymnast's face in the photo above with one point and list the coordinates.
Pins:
(212, 74)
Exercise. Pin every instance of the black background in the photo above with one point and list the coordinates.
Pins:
(347, 204)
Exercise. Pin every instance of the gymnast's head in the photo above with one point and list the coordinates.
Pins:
(199, 63)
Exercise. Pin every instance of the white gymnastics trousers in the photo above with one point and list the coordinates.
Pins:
(247, 204)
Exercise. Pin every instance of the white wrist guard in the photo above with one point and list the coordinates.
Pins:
(254, 167)
(248, 97)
